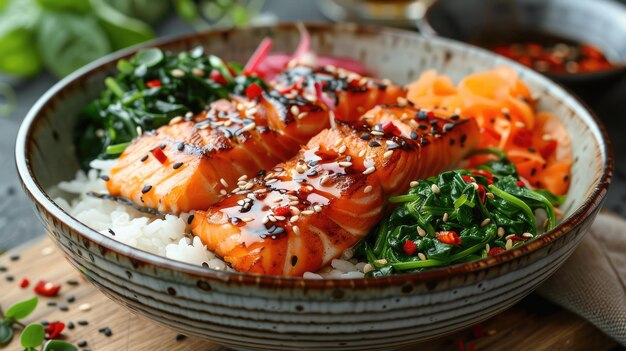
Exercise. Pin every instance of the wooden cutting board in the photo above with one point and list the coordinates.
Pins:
(533, 324)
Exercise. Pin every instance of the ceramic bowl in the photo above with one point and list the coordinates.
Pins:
(599, 22)
(244, 311)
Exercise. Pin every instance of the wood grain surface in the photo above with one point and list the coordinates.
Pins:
(533, 324)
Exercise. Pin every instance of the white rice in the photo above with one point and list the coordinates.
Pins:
(165, 237)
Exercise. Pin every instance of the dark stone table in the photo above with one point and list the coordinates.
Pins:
(18, 222)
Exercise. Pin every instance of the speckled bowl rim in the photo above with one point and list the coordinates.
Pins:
(40, 196)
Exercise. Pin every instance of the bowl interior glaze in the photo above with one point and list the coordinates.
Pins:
(46, 153)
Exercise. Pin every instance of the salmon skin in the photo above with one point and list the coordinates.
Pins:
(189, 164)
(306, 211)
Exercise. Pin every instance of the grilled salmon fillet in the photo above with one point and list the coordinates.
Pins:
(308, 210)
(189, 164)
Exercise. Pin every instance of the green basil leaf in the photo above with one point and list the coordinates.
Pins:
(6, 333)
(21, 309)
(18, 56)
(33, 335)
(78, 6)
(58, 345)
(123, 31)
(67, 41)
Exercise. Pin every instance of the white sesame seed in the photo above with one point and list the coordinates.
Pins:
(519, 124)
(362, 153)
(367, 189)
(388, 154)
(273, 180)
(509, 244)
(248, 186)
(247, 219)
(240, 202)
(500, 232)
(294, 218)
(243, 178)
(307, 212)
(176, 120)
(490, 195)
(377, 133)
(421, 256)
(294, 210)
(369, 170)
(251, 111)
(342, 149)
(224, 183)
(445, 217)
(272, 218)
(176, 72)
(475, 185)
(547, 137)
(139, 131)
(248, 127)
(402, 100)
(435, 189)
(84, 307)
(300, 169)
(280, 218)
(382, 261)
(223, 192)
(310, 97)
(302, 115)
(510, 236)
(338, 142)
(505, 110)
(188, 114)
(294, 203)
(485, 222)
(487, 247)
(265, 219)
(414, 184)
(368, 268)
(344, 163)
(317, 208)
(295, 110)
(527, 235)
(296, 229)
(278, 199)
(198, 72)
(421, 231)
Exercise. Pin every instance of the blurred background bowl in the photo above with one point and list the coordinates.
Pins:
(601, 23)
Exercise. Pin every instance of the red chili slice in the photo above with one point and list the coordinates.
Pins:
(24, 283)
(54, 329)
(467, 178)
(409, 247)
(520, 183)
(390, 127)
(47, 288)
(217, 77)
(449, 237)
(494, 251)
(482, 193)
(159, 155)
(483, 173)
(282, 211)
(254, 91)
(517, 238)
(153, 83)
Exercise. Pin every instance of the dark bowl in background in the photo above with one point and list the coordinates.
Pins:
(601, 23)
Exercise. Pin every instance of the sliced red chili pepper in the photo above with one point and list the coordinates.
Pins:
(430, 114)
(54, 329)
(24, 283)
(449, 237)
(494, 251)
(483, 173)
(47, 288)
(217, 77)
(520, 183)
(409, 247)
(254, 91)
(153, 83)
(467, 178)
(282, 211)
(517, 238)
(548, 148)
(390, 127)
(482, 193)
(159, 155)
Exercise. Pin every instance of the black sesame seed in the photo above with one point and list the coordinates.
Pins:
(9, 278)
(111, 232)
(45, 323)
(180, 337)
(108, 332)
(422, 127)
(3, 269)
(180, 147)
(566, 177)
(177, 165)
(144, 158)
(105, 178)
(71, 298)
(82, 344)
(72, 282)
(531, 149)
(190, 219)
(433, 122)
(422, 115)
(51, 303)
(533, 171)
(146, 189)
(83, 322)
(64, 308)
(463, 139)
(448, 127)
(14, 257)
(294, 260)
(424, 142)
(414, 135)
(374, 144)
(162, 146)
(455, 117)
(70, 325)
(366, 136)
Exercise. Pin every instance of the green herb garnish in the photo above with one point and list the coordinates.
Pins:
(456, 217)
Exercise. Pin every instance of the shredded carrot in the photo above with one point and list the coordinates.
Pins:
(503, 107)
